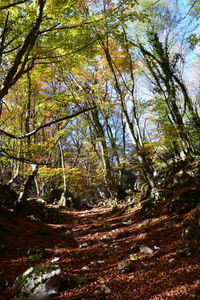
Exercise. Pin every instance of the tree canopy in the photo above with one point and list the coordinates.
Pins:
(93, 90)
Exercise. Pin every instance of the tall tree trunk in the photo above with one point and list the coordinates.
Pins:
(27, 185)
(107, 169)
(63, 200)
(135, 136)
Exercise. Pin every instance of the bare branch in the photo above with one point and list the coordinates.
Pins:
(4, 153)
(10, 135)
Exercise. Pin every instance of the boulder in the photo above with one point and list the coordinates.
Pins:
(39, 211)
(39, 282)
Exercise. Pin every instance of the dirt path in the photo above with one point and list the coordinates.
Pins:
(100, 252)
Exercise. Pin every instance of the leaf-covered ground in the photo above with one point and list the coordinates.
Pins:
(89, 246)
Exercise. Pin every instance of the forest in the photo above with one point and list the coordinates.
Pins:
(99, 149)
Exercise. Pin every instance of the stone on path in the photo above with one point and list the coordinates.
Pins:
(146, 250)
(39, 282)
(125, 267)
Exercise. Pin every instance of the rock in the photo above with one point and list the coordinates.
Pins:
(36, 253)
(100, 261)
(105, 289)
(39, 282)
(55, 259)
(134, 257)
(85, 268)
(83, 245)
(144, 223)
(146, 250)
(185, 250)
(105, 237)
(192, 296)
(34, 219)
(171, 260)
(156, 247)
(40, 200)
(127, 221)
(125, 267)
(97, 293)
(94, 263)
(149, 265)
(69, 234)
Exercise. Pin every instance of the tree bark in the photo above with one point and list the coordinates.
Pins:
(27, 185)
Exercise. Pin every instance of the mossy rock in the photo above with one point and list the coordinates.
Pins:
(36, 253)
(40, 212)
(38, 282)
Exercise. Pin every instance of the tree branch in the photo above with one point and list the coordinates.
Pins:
(10, 135)
(4, 153)
(12, 4)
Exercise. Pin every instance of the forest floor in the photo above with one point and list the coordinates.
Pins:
(89, 246)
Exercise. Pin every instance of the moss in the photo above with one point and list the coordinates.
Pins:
(134, 257)
(22, 280)
(42, 269)
(129, 208)
(36, 253)
(114, 207)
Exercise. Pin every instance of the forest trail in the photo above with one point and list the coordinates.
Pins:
(101, 252)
